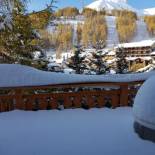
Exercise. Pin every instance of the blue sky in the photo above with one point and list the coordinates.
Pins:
(40, 4)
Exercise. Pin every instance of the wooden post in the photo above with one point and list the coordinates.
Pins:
(124, 95)
(54, 103)
(115, 101)
(101, 101)
(29, 103)
(67, 102)
(90, 101)
(18, 99)
(42, 104)
(1, 106)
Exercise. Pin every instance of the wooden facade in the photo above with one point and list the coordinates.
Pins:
(138, 51)
(81, 95)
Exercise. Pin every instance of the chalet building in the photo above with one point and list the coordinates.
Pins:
(139, 49)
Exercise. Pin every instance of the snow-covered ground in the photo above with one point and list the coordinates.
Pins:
(71, 132)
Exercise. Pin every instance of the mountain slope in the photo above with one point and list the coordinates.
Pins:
(149, 11)
(112, 38)
(110, 5)
(142, 32)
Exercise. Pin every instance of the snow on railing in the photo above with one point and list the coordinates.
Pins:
(27, 88)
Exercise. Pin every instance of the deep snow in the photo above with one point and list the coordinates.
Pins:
(13, 75)
(71, 132)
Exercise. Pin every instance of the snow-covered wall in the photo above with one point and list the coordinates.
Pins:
(13, 75)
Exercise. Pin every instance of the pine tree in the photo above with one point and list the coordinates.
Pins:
(17, 41)
(121, 63)
(98, 63)
(76, 62)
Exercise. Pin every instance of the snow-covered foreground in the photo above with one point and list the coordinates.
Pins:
(71, 132)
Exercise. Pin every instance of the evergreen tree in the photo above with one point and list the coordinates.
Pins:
(98, 63)
(76, 62)
(18, 41)
(121, 63)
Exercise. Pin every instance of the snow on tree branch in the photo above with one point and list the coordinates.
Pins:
(6, 8)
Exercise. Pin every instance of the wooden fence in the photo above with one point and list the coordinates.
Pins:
(81, 95)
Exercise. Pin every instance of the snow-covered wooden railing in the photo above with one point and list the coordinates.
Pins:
(26, 88)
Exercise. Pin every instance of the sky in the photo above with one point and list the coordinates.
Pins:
(40, 4)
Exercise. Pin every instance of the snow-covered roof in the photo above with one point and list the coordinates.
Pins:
(144, 43)
(14, 75)
(152, 53)
(144, 106)
(111, 53)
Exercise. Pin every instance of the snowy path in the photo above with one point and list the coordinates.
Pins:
(112, 32)
(71, 132)
(141, 33)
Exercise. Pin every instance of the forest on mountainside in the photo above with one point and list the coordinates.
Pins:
(94, 30)
(40, 19)
(150, 21)
(126, 25)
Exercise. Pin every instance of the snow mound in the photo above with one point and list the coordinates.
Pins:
(144, 106)
(110, 5)
(14, 75)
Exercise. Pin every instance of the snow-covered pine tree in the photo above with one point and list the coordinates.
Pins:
(76, 62)
(17, 39)
(121, 63)
(98, 62)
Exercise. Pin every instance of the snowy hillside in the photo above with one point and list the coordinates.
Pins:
(141, 32)
(110, 5)
(112, 39)
(149, 11)
(112, 32)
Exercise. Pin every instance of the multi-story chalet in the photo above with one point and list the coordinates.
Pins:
(139, 49)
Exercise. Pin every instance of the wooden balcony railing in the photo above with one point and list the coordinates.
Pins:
(81, 95)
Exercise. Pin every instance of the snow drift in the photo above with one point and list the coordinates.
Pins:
(14, 75)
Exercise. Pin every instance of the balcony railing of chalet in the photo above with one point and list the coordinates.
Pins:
(84, 95)
(25, 88)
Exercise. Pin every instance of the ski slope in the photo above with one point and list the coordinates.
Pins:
(112, 38)
(141, 32)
